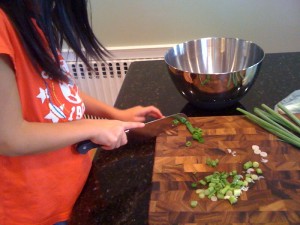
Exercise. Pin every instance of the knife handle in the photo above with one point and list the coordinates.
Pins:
(84, 146)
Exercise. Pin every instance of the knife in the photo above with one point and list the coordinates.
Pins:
(150, 130)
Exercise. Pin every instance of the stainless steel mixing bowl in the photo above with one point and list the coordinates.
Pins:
(214, 72)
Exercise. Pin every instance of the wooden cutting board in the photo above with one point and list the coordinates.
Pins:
(275, 199)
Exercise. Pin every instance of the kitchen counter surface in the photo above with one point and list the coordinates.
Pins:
(119, 185)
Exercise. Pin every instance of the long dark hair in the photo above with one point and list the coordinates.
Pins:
(61, 21)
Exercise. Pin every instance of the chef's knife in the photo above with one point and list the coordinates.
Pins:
(150, 130)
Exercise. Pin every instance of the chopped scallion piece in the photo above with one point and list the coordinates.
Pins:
(258, 171)
(202, 195)
(194, 185)
(232, 200)
(194, 204)
(255, 164)
(188, 144)
(202, 182)
(212, 163)
(237, 192)
(254, 177)
(175, 122)
(248, 165)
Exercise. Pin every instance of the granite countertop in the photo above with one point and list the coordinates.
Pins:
(119, 185)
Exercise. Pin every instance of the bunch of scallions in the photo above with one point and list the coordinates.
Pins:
(287, 127)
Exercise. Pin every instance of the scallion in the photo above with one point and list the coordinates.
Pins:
(286, 136)
(288, 113)
(285, 122)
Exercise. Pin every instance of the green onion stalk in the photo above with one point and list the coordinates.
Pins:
(276, 124)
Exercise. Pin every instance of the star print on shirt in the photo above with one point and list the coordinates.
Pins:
(55, 113)
(43, 94)
(63, 99)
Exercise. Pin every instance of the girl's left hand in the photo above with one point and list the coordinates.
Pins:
(139, 113)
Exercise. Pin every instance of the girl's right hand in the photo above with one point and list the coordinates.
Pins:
(110, 134)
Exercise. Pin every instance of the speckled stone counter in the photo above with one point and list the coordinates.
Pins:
(119, 185)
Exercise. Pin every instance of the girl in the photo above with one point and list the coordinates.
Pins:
(42, 110)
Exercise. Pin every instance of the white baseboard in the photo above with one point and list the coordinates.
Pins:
(129, 52)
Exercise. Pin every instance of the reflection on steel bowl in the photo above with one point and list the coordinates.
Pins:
(214, 73)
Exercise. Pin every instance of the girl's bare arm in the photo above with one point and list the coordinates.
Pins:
(19, 137)
(102, 110)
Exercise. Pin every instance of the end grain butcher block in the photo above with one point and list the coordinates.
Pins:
(274, 199)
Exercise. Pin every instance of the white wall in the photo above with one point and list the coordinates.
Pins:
(273, 24)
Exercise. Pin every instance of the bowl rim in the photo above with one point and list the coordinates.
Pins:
(213, 37)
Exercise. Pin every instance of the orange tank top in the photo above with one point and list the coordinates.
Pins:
(40, 189)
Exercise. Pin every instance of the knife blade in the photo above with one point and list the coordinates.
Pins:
(150, 130)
